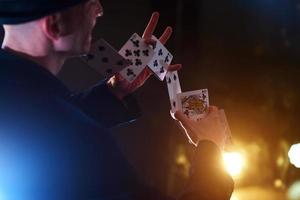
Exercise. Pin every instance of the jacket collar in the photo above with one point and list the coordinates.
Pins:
(17, 70)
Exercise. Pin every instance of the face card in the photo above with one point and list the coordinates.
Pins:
(138, 53)
(174, 88)
(194, 104)
(105, 59)
(161, 59)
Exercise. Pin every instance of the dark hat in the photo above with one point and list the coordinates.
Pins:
(21, 11)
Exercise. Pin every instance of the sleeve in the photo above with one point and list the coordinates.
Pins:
(99, 103)
(208, 178)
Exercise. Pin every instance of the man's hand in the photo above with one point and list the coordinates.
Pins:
(208, 128)
(118, 85)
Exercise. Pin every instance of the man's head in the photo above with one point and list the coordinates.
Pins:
(71, 30)
(66, 31)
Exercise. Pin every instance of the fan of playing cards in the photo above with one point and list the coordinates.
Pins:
(131, 60)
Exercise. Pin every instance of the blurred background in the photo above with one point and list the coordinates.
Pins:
(246, 52)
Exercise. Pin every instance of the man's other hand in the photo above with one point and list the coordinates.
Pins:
(208, 128)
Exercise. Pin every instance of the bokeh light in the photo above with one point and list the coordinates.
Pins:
(233, 197)
(294, 153)
(234, 163)
(278, 183)
(294, 191)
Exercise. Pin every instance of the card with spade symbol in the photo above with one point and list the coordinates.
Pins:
(138, 53)
(105, 59)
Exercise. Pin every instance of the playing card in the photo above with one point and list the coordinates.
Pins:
(174, 88)
(105, 59)
(138, 53)
(193, 104)
(161, 59)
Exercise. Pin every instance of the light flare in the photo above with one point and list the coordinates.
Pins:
(293, 154)
(234, 163)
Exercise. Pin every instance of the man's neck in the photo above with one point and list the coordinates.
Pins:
(38, 53)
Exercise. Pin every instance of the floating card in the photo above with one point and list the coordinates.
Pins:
(194, 104)
(161, 59)
(138, 53)
(174, 88)
(105, 59)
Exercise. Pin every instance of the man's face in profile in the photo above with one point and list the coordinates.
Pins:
(80, 21)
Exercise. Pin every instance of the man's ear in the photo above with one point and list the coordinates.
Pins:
(51, 26)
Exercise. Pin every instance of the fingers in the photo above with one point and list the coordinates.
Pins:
(175, 67)
(187, 125)
(151, 26)
(166, 35)
(146, 73)
(150, 41)
(172, 114)
(185, 120)
(142, 78)
(182, 118)
(147, 35)
(212, 109)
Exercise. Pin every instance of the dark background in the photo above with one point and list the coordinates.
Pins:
(245, 52)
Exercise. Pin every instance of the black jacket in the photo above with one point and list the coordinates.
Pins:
(55, 144)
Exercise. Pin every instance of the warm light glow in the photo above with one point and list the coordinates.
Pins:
(294, 191)
(294, 153)
(278, 183)
(280, 161)
(234, 197)
(181, 160)
(234, 163)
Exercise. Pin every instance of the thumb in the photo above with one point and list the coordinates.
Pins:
(187, 125)
(175, 67)
(182, 118)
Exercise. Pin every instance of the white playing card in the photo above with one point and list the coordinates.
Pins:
(174, 88)
(105, 59)
(161, 59)
(193, 104)
(138, 53)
